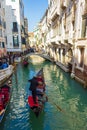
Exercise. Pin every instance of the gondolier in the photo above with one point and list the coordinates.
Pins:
(33, 86)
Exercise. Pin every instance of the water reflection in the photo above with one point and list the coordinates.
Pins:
(69, 95)
(63, 93)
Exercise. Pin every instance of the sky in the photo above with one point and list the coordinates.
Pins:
(34, 11)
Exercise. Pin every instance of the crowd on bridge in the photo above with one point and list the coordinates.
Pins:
(10, 57)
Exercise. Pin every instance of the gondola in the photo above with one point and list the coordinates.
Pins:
(5, 95)
(25, 62)
(41, 97)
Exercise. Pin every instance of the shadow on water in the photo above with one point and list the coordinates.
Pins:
(36, 123)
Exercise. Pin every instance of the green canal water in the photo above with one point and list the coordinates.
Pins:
(66, 108)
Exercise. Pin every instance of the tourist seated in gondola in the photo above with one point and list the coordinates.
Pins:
(4, 65)
(40, 93)
(40, 88)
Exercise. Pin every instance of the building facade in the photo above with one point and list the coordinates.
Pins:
(66, 36)
(31, 39)
(44, 31)
(14, 15)
(3, 50)
(37, 36)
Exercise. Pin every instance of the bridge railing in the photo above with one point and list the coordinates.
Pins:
(42, 54)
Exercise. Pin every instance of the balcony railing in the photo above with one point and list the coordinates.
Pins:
(15, 30)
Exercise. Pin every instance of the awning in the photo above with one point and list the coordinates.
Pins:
(14, 50)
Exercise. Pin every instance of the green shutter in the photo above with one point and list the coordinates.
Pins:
(83, 27)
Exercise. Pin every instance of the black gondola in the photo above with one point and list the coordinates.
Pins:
(41, 97)
(25, 62)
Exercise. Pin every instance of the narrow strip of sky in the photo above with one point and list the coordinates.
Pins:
(34, 11)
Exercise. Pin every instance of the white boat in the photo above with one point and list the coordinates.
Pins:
(6, 73)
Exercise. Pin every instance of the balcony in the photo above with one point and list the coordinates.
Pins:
(63, 4)
(55, 12)
(15, 30)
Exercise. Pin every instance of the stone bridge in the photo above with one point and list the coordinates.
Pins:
(43, 55)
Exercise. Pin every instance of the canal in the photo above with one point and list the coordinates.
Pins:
(66, 108)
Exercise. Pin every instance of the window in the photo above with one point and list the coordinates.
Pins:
(81, 57)
(15, 29)
(6, 40)
(84, 26)
(84, 22)
(23, 40)
(14, 24)
(15, 41)
(14, 11)
(3, 45)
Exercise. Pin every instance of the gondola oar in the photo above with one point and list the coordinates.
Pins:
(62, 111)
(57, 106)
